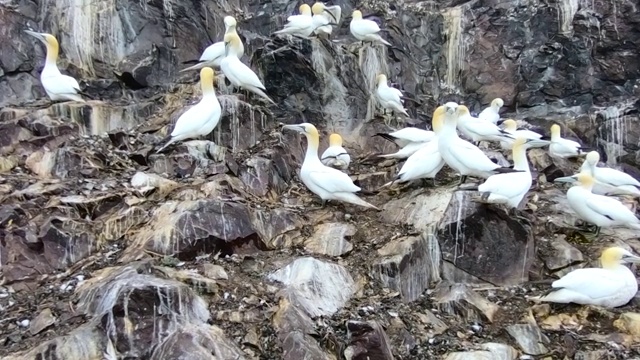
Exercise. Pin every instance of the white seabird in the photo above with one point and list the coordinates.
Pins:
(510, 188)
(492, 112)
(478, 130)
(388, 97)
(324, 17)
(365, 30)
(299, 25)
(200, 119)
(611, 286)
(326, 182)
(409, 139)
(424, 163)
(510, 126)
(462, 156)
(213, 54)
(563, 148)
(335, 155)
(598, 210)
(609, 181)
(56, 85)
(239, 74)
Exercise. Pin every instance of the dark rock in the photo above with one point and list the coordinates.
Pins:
(367, 340)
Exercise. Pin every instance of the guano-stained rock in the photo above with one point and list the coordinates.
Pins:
(490, 351)
(331, 239)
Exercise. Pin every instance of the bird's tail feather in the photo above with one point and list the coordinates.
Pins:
(261, 93)
(506, 170)
(354, 199)
(197, 66)
(168, 141)
(386, 137)
(194, 61)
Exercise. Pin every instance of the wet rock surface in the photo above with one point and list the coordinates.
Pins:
(215, 249)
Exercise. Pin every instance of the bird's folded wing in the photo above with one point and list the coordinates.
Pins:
(333, 180)
(594, 283)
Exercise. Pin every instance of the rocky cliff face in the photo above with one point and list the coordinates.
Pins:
(217, 251)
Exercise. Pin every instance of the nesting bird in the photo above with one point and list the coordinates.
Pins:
(365, 30)
(239, 74)
(510, 126)
(213, 54)
(335, 155)
(324, 17)
(598, 210)
(388, 97)
(510, 188)
(462, 156)
(611, 286)
(200, 119)
(609, 181)
(563, 148)
(326, 182)
(299, 25)
(409, 139)
(478, 130)
(492, 112)
(56, 85)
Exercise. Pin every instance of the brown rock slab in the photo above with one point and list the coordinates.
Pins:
(367, 340)
(330, 239)
(44, 319)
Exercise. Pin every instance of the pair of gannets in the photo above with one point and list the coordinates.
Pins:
(299, 25)
(326, 182)
(611, 286)
(492, 112)
(609, 181)
(213, 54)
(462, 156)
(56, 85)
(511, 126)
(388, 97)
(365, 30)
(324, 17)
(479, 130)
(200, 119)
(409, 139)
(335, 155)
(598, 210)
(563, 148)
(239, 74)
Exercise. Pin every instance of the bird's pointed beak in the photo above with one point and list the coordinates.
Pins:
(331, 14)
(36, 35)
(566, 179)
(631, 259)
(296, 128)
(537, 142)
(500, 122)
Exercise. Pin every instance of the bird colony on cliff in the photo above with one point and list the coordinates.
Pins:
(457, 140)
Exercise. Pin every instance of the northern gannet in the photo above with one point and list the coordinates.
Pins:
(492, 112)
(598, 210)
(510, 126)
(479, 130)
(462, 156)
(200, 119)
(365, 30)
(56, 85)
(324, 17)
(390, 98)
(299, 25)
(409, 139)
(563, 148)
(213, 54)
(611, 286)
(609, 180)
(326, 182)
(239, 74)
(424, 163)
(335, 155)
(510, 188)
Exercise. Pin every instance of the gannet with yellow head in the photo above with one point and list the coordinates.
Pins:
(239, 74)
(511, 126)
(326, 182)
(598, 210)
(611, 286)
(492, 112)
(511, 188)
(426, 162)
(56, 85)
(388, 97)
(299, 25)
(365, 30)
(563, 148)
(462, 156)
(324, 17)
(200, 119)
(609, 181)
(213, 54)
(335, 155)
(410, 140)
(479, 130)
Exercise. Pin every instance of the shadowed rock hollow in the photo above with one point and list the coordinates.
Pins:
(214, 249)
